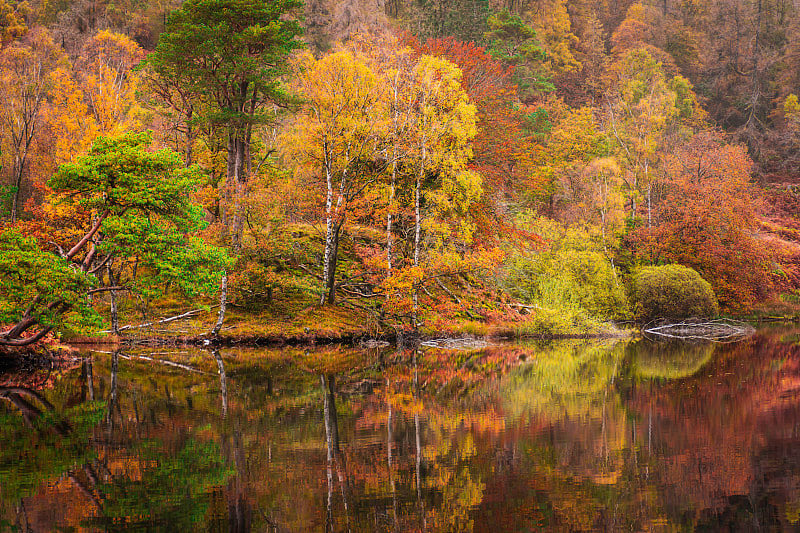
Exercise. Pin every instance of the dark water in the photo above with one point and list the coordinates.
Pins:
(569, 436)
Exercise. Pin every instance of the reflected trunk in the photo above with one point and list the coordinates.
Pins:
(112, 396)
(335, 459)
(223, 382)
(389, 444)
(418, 442)
(89, 377)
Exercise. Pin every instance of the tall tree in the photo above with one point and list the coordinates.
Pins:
(231, 54)
(340, 136)
(648, 112)
(105, 71)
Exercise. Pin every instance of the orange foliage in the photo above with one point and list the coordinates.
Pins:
(707, 221)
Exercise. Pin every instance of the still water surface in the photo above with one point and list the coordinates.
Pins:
(561, 436)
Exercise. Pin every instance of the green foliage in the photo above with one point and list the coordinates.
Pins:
(669, 360)
(571, 274)
(6, 194)
(516, 44)
(120, 175)
(148, 196)
(230, 54)
(561, 319)
(141, 198)
(566, 377)
(672, 292)
(27, 271)
(164, 254)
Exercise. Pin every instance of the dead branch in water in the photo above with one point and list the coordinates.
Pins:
(720, 330)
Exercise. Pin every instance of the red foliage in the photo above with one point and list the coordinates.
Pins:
(502, 146)
(707, 221)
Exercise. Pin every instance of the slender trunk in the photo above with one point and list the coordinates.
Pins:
(417, 212)
(113, 294)
(389, 221)
(86, 238)
(393, 184)
(417, 229)
(223, 301)
(330, 289)
(389, 443)
(334, 223)
(327, 257)
(190, 135)
(239, 185)
(418, 443)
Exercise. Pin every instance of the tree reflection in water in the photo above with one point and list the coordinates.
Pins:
(558, 436)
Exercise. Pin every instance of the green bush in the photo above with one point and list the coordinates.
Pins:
(671, 292)
(571, 273)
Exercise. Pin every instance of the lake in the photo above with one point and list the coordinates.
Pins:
(584, 435)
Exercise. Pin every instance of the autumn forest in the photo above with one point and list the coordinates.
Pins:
(274, 169)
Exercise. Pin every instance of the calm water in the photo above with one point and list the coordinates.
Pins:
(568, 436)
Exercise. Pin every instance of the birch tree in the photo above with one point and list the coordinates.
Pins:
(339, 138)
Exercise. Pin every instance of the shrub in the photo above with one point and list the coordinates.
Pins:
(572, 272)
(672, 292)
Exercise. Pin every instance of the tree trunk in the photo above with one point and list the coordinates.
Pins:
(389, 221)
(223, 301)
(332, 263)
(328, 231)
(223, 382)
(333, 226)
(236, 183)
(418, 228)
(114, 312)
(19, 164)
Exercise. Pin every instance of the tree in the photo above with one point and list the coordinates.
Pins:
(141, 213)
(394, 64)
(26, 70)
(12, 21)
(516, 44)
(339, 135)
(648, 114)
(438, 148)
(551, 20)
(231, 55)
(109, 84)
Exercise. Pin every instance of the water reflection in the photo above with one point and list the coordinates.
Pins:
(558, 436)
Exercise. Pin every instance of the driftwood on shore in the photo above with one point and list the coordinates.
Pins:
(720, 330)
(187, 314)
